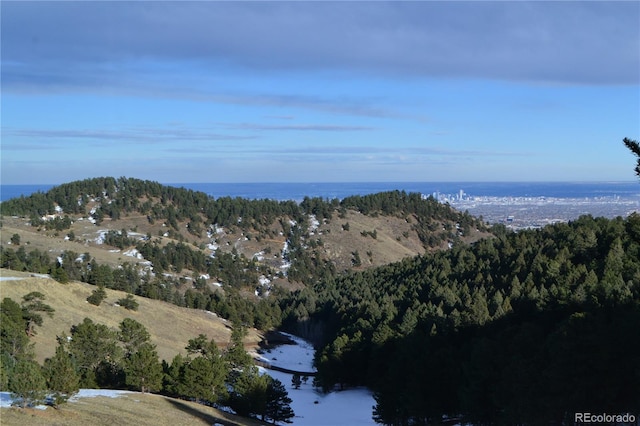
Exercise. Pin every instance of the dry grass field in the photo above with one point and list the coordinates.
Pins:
(128, 409)
(170, 326)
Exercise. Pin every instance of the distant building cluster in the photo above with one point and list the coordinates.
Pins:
(535, 212)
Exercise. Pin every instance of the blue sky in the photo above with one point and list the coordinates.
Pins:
(319, 91)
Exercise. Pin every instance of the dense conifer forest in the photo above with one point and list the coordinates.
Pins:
(517, 328)
(523, 328)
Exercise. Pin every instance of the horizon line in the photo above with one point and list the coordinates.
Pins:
(345, 182)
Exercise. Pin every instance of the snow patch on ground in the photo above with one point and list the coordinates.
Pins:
(24, 278)
(100, 238)
(264, 287)
(352, 407)
(133, 253)
(6, 400)
(91, 393)
(313, 223)
(285, 256)
(263, 280)
(40, 275)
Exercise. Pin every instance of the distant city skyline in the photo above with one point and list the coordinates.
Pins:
(319, 91)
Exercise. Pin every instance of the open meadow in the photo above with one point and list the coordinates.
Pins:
(131, 408)
(170, 326)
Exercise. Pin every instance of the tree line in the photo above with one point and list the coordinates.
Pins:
(235, 271)
(116, 197)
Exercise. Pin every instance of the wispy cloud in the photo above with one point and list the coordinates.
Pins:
(140, 135)
(568, 42)
(56, 79)
(300, 127)
(280, 117)
(344, 151)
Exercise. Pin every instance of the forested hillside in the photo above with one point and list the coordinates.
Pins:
(226, 255)
(525, 328)
(439, 316)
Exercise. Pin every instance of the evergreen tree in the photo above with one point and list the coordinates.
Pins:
(62, 379)
(173, 375)
(15, 239)
(143, 370)
(14, 342)
(6, 366)
(203, 380)
(204, 377)
(249, 394)
(296, 381)
(132, 335)
(129, 303)
(278, 407)
(235, 355)
(91, 345)
(27, 383)
(634, 147)
(97, 296)
(32, 305)
(59, 274)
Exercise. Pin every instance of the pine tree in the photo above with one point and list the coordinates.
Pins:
(203, 380)
(173, 375)
(634, 147)
(278, 406)
(91, 345)
(27, 383)
(15, 239)
(204, 376)
(143, 370)
(235, 355)
(296, 381)
(249, 395)
(132, 335)
(129, 303)
(62, 379)
(32, 305)
(14, 342)
(97, 296)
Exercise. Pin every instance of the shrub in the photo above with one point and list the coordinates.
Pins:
(129, 303)
(97, 296)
